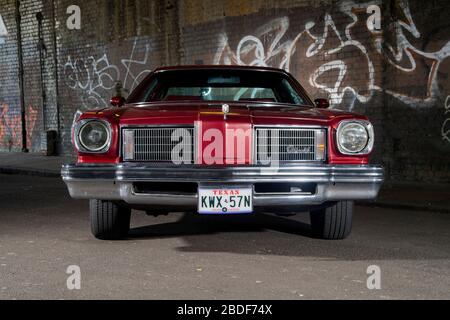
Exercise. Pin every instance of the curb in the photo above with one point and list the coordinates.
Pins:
(30, 172)
(404, 206)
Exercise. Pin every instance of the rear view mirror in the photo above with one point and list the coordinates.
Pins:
(117, 101)
(322, 103)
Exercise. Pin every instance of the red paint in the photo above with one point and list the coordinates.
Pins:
(234, 131)
(226, 192)
(208, 115)
(334, 156)
(117, 101)
(112, 156)
(322, 103)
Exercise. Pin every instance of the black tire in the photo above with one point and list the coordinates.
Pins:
(109, 221)
(334, 222)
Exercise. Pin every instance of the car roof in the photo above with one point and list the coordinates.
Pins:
(217, 67)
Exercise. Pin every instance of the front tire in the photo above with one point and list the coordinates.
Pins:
(109, 221)
(334, 222)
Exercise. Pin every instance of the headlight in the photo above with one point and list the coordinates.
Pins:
(93, 136)
(355, 137)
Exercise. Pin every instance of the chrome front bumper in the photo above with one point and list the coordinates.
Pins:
(115, 182)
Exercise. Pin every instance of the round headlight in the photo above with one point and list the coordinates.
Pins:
(94, 136)
(353, 137)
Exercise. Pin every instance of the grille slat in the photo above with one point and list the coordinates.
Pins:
(157, 144)
(289, 144)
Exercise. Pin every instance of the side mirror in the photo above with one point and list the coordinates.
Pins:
(117, 101)
(322, 103)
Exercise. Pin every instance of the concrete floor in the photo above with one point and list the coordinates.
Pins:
(43, 231)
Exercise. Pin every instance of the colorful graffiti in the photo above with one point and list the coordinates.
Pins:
(265, 48)
(10, 126)
(96, 78)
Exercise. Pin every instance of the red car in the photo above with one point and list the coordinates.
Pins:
(222, 140)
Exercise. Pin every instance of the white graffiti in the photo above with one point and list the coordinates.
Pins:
(96, 78)
(336, 92)
(445, 130)
(91, 76)
(3, 30)
(264, 48)
(254, 47)
(252, 43)
(403, 49)
(128, 63)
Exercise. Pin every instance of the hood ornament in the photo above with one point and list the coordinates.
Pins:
(225, 110)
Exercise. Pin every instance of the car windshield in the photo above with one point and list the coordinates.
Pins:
(218, 85)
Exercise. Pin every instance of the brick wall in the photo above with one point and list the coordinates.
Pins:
(398, 75)
(10, 133)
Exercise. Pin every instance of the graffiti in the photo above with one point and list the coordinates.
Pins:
(128, 63)
(91, 76)
(251, 51)
(265, 48)
(96, 78)
(404, 49)
(3, 31)
(445, 129)
(337, 91)
(10, 126)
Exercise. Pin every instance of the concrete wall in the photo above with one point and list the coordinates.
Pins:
(398, 75)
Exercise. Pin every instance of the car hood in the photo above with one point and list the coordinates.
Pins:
(253, 113)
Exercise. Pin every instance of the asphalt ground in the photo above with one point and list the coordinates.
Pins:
(185, 256)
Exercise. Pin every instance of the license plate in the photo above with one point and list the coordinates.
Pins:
(225, 200)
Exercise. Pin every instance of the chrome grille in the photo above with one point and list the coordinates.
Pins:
(289, 144)
(158, 144)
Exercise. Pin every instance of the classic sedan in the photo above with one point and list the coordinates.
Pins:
(221, 140)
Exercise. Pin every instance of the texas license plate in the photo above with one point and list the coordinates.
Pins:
(225, 200)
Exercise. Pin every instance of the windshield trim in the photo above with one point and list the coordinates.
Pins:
(283, 73)
(216, 103)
